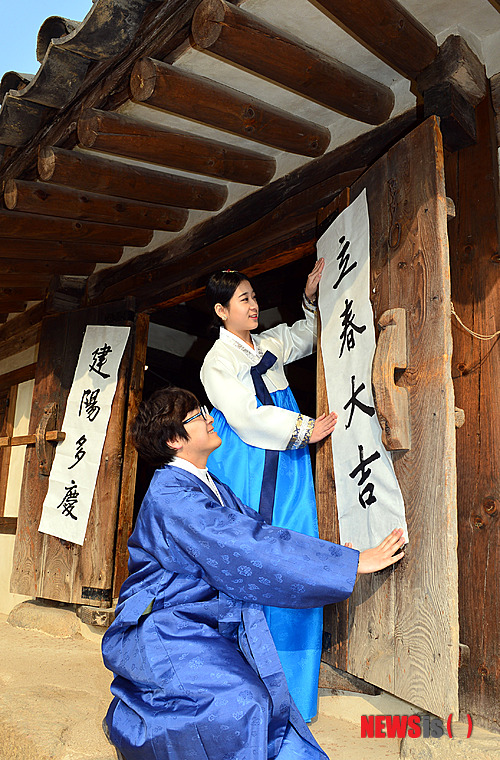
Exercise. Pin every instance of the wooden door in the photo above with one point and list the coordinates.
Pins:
(399, 630)
(45, 566)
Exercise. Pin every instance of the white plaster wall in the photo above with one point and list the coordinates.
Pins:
(21, 422)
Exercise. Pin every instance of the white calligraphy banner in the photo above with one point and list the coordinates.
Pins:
(369, 500)
(66, 508)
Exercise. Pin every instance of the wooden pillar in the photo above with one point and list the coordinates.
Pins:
(472, 182)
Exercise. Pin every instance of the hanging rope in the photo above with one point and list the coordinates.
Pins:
(467, 329)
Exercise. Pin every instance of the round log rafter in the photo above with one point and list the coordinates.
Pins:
(120, 135)
(53, 200)
(240, 37)
(171, 89)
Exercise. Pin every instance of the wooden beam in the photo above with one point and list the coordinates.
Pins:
(16, 266)
(32, 226)
(195, 97)
(21, 332)
(496, 4)
(120, 135)
(17, 376)
(269, 237)
(452, 86)
(50, 250)
(458, 64)
(356, 154)
(238, 36)
(20, 280)
(21, 294)
(101, 175)
(8, 525)
(389, 30)
(495, 97)
(58, 201)
(11, 306)
(457, 116)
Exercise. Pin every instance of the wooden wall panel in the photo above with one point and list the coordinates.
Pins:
(45, 566)
(472, 182)
(403, 621)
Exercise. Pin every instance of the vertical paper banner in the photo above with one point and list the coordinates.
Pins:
(66, 508)
(369, 499)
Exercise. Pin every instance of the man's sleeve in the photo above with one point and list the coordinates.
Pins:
(252, 561)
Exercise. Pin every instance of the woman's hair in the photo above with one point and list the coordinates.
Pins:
(220, 289)
(159, 420)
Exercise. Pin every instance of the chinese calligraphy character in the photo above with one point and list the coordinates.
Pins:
(343, 259)
(354, 401)
(70, 500)
(79, 453)
(366, 496)
(88, 401)
(100, 359)
(347, 334)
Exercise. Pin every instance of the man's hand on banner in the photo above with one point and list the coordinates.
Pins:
(386, 553)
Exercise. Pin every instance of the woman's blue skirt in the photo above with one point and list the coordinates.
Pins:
(296, 633)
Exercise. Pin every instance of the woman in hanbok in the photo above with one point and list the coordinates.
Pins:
(264, 455)
(197, 676)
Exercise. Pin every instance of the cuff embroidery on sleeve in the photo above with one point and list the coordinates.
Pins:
(308, 304)
(301, 433)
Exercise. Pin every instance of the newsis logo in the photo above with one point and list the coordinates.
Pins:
(413, 726)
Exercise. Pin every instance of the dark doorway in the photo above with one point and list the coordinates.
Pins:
(180, 337)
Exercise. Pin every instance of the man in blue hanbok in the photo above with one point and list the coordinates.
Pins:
(196, 671)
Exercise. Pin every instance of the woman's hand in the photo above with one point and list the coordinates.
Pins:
(313, 280)
(381, 556)
(323, 426)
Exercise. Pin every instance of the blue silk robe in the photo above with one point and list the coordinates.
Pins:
(197, 675)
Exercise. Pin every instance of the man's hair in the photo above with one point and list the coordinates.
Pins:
(159, 420)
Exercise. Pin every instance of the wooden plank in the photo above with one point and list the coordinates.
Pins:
(48, 200)
(32, 280)
(25, 294)
(8, 398)
(123, 136)
(43, 565)
(495, 96)
(17, 376)
(354, 155)
(101, 175)
(389, 30)
(24, 440)
(472, 181)
(238, 36)
(8, 525)
(16, 326)
(129, 469)
(411, 612)
(13, 224)
(171, 89)
(12, 306)
(39, 267)
(54, 250)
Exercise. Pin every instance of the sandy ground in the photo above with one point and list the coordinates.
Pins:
(54, 693)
